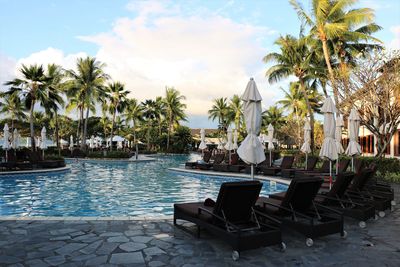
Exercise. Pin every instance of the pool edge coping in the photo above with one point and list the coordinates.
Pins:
(231, 174)
(38, 171)
(83, 218)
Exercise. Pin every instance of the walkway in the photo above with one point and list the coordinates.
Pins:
(159, 243)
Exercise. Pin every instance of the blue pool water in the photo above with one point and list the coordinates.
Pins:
(110, 189)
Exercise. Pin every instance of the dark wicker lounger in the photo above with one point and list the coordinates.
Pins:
(290, 173)
(287, 163)
(298, 210)
(233, 218)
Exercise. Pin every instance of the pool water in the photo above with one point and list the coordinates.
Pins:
(110, 189)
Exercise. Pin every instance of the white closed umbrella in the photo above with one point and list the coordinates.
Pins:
(71, 142)
(6, 142)
(306, 147)
(229, 144)
(203, 144)
(250, 150)
(91, 142)
(15, 139)
(270, 142)
(354, 147)
(235, 139)
(329, 149)
(338, 138)
(220, 144)
(43, 144)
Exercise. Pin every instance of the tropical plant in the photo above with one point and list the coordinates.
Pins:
(295, 58)
(150, 114)
(235, 113)
(220, 111)
(12, 108)
(86, 84)
(133, 113)
(117, 96)
(273, 115)
(335, 21)
(32, 88)
(174, 108)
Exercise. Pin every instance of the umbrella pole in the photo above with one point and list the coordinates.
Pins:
(230, 157)
(6, 155)
(306, 161)
(337, 166)
(252, 171)
(352, 163)
(330, 174)
(270, 158)
(43, 153)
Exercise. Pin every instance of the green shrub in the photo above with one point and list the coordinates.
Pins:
(53, 156)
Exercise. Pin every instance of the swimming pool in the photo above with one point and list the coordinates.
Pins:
(110, 189)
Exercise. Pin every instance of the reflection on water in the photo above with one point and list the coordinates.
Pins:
(110, 189)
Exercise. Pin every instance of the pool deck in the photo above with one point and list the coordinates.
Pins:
(126, 241)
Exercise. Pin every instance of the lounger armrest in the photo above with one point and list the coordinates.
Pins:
(200, 210)
(343, 201)
(272, 219)
(323, 207)
(288, 210)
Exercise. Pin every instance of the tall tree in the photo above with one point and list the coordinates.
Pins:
(219, 111)
(12, 108)
(32, 88)
(175, 109)
(87, 83)
(335, 20)
(235, 111)
(117, 95)
(295, 58)
(133, 113)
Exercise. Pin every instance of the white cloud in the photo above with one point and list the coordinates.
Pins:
(395, 43)
(48, 56)
(7, 66)
(204, 57)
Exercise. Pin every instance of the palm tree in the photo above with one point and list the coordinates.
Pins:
(133, 113)
(54, 76)
(159, 112)
(150, 114)
(235, 111)
(220, 110)
(32, 89)
(174, 108)
(87, 84)
(331, 21)
(12, 108)
(273, 115)
(117, 96)
(295, 58)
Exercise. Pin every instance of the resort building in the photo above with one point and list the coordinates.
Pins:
(368, 143)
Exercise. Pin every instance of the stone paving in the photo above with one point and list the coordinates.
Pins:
(158, 243)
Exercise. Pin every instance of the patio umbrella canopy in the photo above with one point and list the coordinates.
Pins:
(306, 148)
(91, 142)
(202, 145)
(250, 150)
(15, 139)
(71, 142)
(329, 149)
(6, 143)
(338, 134)
(354, 147)
(43, 144)
(270, 142)
(229, 144)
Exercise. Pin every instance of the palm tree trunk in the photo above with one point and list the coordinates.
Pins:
(330, 70)
(79, 126)
(309, 110)
(169, 130)
(83, 145)
(112, 129)
(33, 146)
(57, 135)
(83, 141)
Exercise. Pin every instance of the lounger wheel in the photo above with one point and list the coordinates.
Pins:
(392, 208)
(344, 234)
(393, 202)
(235, 255)
(283, 247)
(309, 242)
(362, 224)
(376, 217)
(381, 214)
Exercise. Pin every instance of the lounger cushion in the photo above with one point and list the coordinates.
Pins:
(192, 209)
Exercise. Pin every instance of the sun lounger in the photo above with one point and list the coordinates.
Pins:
(290, 173)
(298, 210)
(232, 217)
(192, 164)
(305, 173)
(207, 166)
(287, 163)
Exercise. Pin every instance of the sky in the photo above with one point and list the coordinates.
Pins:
(204, 48)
